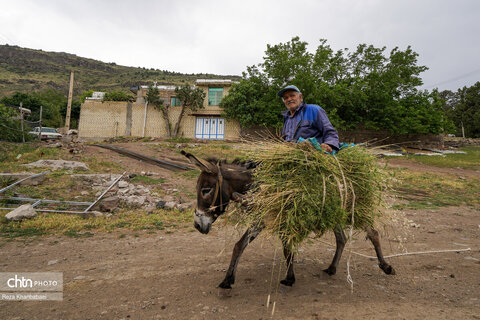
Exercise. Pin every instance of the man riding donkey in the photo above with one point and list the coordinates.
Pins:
(220, 182)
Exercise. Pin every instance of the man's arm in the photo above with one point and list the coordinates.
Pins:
(330, 135)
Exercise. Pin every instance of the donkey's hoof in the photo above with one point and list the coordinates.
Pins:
(330, 271)
(288, 282)
(388, 269)
(226, 284)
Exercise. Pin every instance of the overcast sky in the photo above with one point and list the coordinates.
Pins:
(224, 37)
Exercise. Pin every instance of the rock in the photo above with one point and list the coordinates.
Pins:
(170, 205)
(19, 156)
(123, 191)
(90, 214)
(136, 201)
(59, 164)
(161, 204)
(168, 198)
(79, 278)
(122, 184)
(142, 173)
(25, 211)
(54, 145)
(51, 262)
(72, 131)
(150, 208)
(84, 193)
(109, 204)
(132, 175)
(98, 194)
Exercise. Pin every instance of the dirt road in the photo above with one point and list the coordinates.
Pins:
(174, 275)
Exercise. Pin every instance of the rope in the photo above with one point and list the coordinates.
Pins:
(403, 254)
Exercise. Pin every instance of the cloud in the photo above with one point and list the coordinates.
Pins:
(224, 37)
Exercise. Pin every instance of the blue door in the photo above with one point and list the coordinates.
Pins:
(210, 128)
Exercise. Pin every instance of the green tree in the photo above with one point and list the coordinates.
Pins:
(10, 129)
(153, 98)
(363, 88)
(191, 99)
(463, 109)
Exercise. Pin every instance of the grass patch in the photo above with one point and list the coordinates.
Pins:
(29, 152)
(77, 227)
(470, 160)
(428, 190)
(179, 140)
(147, 180)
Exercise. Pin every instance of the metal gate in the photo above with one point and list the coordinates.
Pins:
(210, 128)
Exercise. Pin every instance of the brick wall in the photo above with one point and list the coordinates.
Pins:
(100, 120)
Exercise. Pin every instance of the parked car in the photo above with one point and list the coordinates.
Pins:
(47, 133)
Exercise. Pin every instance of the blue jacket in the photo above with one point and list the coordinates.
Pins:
(309, 121)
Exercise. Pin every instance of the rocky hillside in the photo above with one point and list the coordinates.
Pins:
(26, 70)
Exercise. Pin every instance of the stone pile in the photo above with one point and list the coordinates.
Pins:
(129, 194)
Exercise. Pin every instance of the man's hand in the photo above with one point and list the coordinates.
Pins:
(326, 147)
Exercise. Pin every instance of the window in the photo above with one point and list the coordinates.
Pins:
(215, 95)
(175, 102)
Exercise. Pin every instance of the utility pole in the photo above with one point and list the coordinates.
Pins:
(69, 105)
(40, 132)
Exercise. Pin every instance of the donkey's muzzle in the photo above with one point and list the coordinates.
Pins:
(202, 222)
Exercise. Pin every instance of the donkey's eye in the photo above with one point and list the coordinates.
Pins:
(206, 191)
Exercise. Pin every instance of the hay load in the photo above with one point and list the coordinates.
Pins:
(302, 190)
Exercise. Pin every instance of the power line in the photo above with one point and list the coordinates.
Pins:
(454, 79)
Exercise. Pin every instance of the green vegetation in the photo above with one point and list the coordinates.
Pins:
(10, 161)
(10, 127)
(470, 160)
(360, 88)
(463, 108)
(118, 96)
(29, 70)
(427, 190)
(147, 180)
(72, 225)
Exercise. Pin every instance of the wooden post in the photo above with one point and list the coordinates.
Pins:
(40, 125)
(69, 104)
(21, 121)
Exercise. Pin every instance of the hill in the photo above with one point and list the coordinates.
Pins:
(27, 70)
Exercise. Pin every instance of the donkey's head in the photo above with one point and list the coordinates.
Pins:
(217, 182)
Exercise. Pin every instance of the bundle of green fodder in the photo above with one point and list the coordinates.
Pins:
(300, 190)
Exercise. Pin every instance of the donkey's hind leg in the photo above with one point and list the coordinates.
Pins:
(372, 234)
(340, 239)
(247, 237)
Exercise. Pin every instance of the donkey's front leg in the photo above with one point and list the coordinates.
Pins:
(247, 237)
(340, 240)
(372, 234)
(290, 279)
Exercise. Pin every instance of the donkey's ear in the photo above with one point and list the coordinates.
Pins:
(203, 165)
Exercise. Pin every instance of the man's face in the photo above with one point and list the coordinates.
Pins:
(292, 100)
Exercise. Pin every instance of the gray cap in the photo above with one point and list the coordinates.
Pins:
(288, 88)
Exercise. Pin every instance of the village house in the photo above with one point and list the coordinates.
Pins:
(108, 119)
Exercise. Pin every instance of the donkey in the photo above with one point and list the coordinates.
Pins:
(221, 182)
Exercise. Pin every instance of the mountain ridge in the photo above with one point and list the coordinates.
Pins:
(27, 70)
